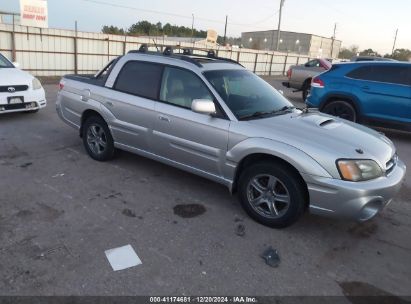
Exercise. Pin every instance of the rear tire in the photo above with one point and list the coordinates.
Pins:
(272, 194)
(97, 139)
(342, 109)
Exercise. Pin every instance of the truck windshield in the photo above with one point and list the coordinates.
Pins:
(247, 95)
(4, 63)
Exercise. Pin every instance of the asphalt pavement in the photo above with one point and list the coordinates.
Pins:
(60, 211)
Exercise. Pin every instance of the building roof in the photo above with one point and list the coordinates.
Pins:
(289, 33)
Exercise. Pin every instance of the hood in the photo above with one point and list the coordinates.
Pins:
(327, 138)
(14, 76)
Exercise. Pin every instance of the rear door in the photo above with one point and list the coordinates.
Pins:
(131, 101)
(384, 91)
(181, 135)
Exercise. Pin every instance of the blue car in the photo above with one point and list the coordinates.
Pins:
(374, 93)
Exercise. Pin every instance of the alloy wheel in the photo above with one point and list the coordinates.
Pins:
(268, 196)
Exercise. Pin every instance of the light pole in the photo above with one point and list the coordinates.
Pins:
(192, 28)
(279, 24)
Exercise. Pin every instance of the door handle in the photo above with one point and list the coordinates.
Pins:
(164, 118)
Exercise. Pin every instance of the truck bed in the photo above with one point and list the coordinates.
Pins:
(86, 78)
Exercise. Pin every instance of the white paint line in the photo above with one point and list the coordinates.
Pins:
(122, 257)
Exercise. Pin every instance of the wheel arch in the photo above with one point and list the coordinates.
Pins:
(86, 114)
(352, 100)
(261, 157)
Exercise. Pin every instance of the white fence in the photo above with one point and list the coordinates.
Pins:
(54, 52)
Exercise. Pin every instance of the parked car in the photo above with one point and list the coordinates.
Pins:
(212, 117)
(299, 76)
(19, 91)
(370, 58)
(377, 93)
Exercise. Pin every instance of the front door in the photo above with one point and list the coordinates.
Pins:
(181, 135)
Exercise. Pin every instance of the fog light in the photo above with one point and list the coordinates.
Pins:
(371, 209)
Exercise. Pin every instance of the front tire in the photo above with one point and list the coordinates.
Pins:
(97, 139)
(272, 194)
(342, 109)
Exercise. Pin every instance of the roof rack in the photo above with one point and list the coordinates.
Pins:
(187, 54)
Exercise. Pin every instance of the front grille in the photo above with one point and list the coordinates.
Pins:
(389, 166)
(13, 88)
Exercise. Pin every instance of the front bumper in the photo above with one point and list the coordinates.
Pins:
(33, 100)
(359, 201)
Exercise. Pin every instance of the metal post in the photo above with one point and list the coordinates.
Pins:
(238, 56)
(124, 43)
(285, 64)
(255, 62)
(75, 50)
(279, 24)
(225, 29)
(13, 43)
(271, 63)
(395, 40)
(192, 28)
(108, 48)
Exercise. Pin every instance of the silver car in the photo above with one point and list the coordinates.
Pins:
(214, 118)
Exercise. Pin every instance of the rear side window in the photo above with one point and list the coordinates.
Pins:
(387, 74)
(140, 78)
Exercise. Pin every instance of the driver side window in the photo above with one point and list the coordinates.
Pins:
(180, 87)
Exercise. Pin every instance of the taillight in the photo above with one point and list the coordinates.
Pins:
(289, 72)
(317, 82)
(61, 86)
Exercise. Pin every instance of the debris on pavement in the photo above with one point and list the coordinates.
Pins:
(122, 257)
(128, 212)
(58, 175)
(25, 165)
(240, 230)
(271, 257)
(189, 210)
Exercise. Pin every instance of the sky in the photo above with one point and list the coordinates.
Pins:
(365, 23)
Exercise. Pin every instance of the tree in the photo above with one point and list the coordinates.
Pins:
(112, 30)
(369, 52)
(400, 54)
(348, 53)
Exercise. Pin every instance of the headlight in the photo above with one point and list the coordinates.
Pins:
(358, 170)
(36, 84)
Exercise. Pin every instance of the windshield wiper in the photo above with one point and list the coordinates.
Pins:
(283, 110)
(259, 114)
(254, 115)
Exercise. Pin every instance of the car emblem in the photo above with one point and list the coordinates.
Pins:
(359, 151)
(11, 89)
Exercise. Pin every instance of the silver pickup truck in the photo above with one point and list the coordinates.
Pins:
(212, 117)
(299, 76)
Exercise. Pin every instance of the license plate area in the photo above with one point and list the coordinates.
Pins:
(15, 100)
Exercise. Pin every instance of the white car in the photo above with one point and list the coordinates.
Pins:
(19, 91)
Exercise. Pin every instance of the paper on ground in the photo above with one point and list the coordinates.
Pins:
(122, 257)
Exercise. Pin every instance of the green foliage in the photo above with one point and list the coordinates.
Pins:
(112, 30)
(400, 54)
(147, 28)
(348, 53)
(369, 52)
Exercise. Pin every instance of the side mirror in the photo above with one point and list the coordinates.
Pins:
(203, 106)
(16, 64)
